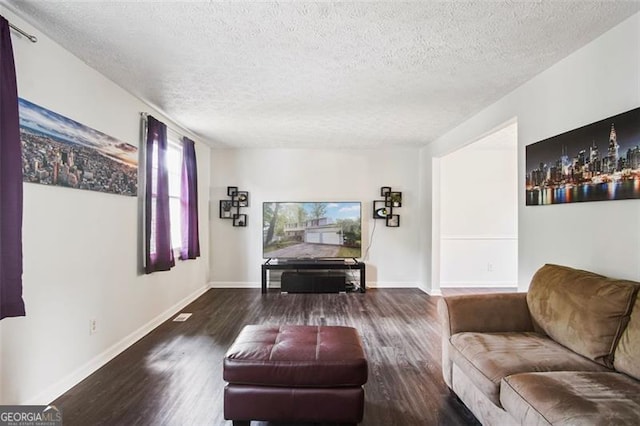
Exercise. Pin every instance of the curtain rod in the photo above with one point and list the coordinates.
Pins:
(31, 37)
(176, 132)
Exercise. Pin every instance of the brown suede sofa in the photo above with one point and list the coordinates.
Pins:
(567, 352)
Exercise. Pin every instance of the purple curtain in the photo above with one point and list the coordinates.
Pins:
(11, 303)
(189, 202)
(158, 251)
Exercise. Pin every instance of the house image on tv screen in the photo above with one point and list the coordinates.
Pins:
(316, 231)
(312, 230)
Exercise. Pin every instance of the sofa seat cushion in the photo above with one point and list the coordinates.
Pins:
(488, 357)
(572, 398)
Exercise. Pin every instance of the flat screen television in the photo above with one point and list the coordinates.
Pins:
(311, 230)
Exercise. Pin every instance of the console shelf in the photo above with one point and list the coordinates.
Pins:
(309, 265)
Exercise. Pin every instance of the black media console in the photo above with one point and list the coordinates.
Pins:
(308, 275)
(313, 282)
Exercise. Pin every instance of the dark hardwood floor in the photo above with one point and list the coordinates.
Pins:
(173, 376)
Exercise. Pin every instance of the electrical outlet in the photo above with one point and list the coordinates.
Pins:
(93, 326)
(489, 267)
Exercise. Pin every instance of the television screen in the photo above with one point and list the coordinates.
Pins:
(311, 230)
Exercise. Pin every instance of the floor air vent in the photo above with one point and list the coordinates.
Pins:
(182, 317)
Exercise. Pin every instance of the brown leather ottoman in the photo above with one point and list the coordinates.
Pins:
(295, 373)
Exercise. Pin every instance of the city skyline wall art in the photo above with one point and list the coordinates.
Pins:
(596, 162)
(59, 151)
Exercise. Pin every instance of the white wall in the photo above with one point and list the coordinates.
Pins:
(315, 175)
(597, 81)
(81, 248)
(479, 213)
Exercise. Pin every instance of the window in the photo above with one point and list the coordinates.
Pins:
(174, 170)
(171, 199)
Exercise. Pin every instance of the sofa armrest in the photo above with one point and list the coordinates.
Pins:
(488, 313)
(484, 313)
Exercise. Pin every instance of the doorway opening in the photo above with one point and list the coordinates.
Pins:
(476, 213)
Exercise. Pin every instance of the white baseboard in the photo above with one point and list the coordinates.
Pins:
(370, 284)
(391, 284)
(54, 391)
(430, 292)
(234, 284)
(483, 284)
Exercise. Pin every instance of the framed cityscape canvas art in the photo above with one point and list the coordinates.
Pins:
(59, 151)
(596, 162)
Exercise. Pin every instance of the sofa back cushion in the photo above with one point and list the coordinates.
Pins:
(627, 355)
(583, 311)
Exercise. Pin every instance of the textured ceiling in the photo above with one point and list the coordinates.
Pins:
(322, 74)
